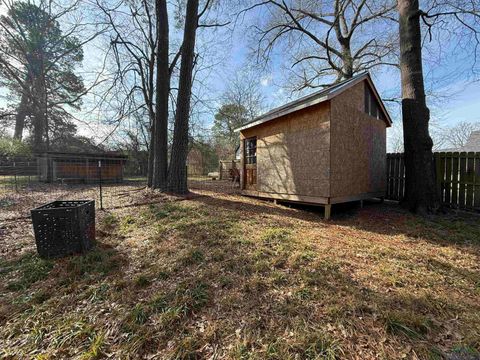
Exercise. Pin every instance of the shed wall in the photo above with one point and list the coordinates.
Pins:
(358, 155)
(293, 153)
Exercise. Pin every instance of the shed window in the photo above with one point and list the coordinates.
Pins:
(251, 151)
(372, 107)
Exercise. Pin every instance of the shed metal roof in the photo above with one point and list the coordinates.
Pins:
(314, 99)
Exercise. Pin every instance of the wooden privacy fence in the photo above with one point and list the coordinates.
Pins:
(224, 167)
(457, 178)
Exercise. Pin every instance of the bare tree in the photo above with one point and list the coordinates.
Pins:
(243, 89)
(456, 137)
(177, 174)
(160, 129)
(241, 102)
(132, 37)
(327, 41)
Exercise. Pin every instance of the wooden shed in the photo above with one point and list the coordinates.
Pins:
(80, 167)
(325, 148)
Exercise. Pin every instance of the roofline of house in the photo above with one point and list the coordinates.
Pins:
(314, 99)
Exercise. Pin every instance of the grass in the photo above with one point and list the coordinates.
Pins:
(223, 276)
(10, 180)
(29, 268)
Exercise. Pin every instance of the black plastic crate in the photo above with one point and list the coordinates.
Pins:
(64, 227)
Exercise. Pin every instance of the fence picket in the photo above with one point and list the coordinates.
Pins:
(396, 173)
(476, 181)
(402, 178)
(463, 176)
(448, 178)
(441, 176)
(470, 178)
(390, 178)
(455, 179)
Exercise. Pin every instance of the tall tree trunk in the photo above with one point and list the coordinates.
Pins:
(38, 130)
(420, 192)
(20, 117)
(39, 120)
(177, 174)
(347, 67)
(151, 154)
(160, 163)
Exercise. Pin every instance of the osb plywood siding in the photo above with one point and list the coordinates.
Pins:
(293, 153)
(358, 157)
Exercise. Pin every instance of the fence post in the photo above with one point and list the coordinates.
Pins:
(15, 176)
(438, 175)
(100, 183)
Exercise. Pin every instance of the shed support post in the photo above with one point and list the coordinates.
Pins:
(361, 204)
(328, 211)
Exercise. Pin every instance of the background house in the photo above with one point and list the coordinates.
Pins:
(325, 148)
(473, 142)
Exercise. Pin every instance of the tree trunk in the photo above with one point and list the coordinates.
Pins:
(20, 117)
(347, 67)
(420, 193)
(39, 119)
(151, 154)
(160, 163)
(177, 174)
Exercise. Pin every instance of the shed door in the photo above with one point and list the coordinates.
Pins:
(250, 165)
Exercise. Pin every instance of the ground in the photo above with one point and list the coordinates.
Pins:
(223, 276)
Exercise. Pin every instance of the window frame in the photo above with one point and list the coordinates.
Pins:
(250, 152)
(372, 105)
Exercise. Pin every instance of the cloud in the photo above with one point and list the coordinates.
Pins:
(3, 9)
(266, 80)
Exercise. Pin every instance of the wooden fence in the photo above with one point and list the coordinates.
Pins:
(224, 167)
(457, 178)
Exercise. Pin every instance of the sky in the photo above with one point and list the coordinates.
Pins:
(461, 104)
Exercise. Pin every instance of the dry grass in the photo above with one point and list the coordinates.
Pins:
(17, 202)
(222, 276)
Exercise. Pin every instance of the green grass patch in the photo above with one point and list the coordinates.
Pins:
(142, 281)
(127, 224)
(94, 351)
(30, 268)
(109, 221)
(410, 325)
(171, 210)
(193, 256)
(98, 261)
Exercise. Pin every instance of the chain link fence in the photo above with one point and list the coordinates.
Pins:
(26, 183)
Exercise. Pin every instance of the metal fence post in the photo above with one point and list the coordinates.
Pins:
(15, 176)
(100, 183)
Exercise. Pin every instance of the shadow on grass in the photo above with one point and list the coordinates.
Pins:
(460, 230)
(271, 283)
(25, 271)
